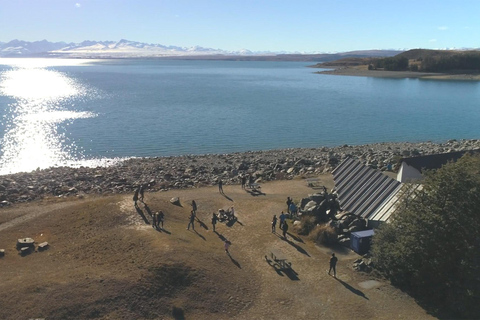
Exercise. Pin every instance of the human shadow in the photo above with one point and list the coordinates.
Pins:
(140, 212)
(271, 263)
(298, 239)
(163, 230)
(220, 236)
(203, 225)
(148, 209)
(256, 192)
(352, 289)
(293, 244)
(198, 234)
(235, 262)
(227, 197)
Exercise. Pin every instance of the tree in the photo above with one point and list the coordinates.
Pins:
(432, 246)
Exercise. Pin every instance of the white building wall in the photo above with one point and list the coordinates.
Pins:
(408, 173)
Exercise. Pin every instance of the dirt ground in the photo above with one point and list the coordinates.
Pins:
(106, 262)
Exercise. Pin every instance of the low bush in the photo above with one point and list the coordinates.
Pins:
(323, 234)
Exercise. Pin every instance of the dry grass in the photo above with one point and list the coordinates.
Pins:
(323, 235)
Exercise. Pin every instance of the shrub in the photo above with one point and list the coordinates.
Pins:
(307, 224)
(323, 234)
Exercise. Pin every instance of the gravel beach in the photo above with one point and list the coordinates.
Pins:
(192, 171)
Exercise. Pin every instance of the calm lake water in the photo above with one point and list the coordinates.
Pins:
(74, 112)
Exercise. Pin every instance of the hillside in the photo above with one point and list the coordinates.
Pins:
(105, 262)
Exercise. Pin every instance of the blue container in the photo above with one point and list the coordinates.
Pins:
(360, 241)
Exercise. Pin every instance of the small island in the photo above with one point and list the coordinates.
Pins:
(416, 63)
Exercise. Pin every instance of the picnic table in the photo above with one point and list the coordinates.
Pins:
(280, 259)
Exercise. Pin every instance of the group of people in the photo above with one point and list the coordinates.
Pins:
(283, 224)
(139, 194)
(244, 178)
(157, 219)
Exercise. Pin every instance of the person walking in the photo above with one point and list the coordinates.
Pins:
(214, 220)
(274, 223)
(141, 192)
(244, 181)
(194, 206)
(285, 229)
(220, 185)
(227, 246)
(333, 265)
(154, 220)
(135, 198)
(160, 218)
(282, 219)
(192, 221)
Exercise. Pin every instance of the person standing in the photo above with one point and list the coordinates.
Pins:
(333, 265)
(194, 206)
(160, 218)
(192, 221)
(154, 220)
(141, 192)
(282, 219)
(214, 220)
(227, 246)
(220, 185)
(274, 223)
(135, 198)
(251, 180)
(285, 229)
(289, 202)
(244, 181)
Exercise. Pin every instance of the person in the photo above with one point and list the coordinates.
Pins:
(282, 219)
(285, 229)
(333, 265)
(250, 181)
(194, 206)
(226, 246)
(293, 209)
(141, 191)
(135, 197)
(160, 218)
(232, 213)
(244, 181)
(154, 220)
(274, 223)
(192, 220)
(289, 202)
(220, 185)
(214, 220)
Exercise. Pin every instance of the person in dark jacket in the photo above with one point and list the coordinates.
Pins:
(333, 265)
(285, 229)
(214, 220)
(192, 220)
(274, 223)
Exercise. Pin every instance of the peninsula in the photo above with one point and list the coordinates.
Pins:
(416, 63)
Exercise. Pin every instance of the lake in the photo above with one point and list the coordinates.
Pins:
(90, 112)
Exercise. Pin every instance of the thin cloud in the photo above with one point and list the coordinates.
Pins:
(78, 5)
(442, 28)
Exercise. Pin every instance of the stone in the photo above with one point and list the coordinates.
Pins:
(2, 253)
(43, 246)
(175, 201)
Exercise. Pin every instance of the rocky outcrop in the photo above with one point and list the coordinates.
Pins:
(192, 171)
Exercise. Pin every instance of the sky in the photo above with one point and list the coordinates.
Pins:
(304, 26)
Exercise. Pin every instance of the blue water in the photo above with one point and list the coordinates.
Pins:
(150, 108)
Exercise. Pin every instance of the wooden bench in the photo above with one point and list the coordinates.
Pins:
(280, 260)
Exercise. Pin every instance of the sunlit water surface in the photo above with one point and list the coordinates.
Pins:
(37, 116)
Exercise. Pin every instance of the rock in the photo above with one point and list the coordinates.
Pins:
(43, 246)
(175, 201)
(2, 253)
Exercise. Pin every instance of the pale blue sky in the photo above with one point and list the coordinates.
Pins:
(260, 25)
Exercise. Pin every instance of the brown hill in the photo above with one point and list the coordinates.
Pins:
(106, 262)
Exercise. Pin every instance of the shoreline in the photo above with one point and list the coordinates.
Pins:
(364, 72)
(193, 171)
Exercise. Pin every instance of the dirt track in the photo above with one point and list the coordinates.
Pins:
(106, 263)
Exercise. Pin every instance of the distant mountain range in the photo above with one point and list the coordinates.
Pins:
(132, 49)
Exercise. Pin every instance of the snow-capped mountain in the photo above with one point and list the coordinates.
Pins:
(104, 49)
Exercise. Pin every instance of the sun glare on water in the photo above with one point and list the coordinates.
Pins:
(31, 139)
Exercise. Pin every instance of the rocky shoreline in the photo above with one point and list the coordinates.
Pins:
(192, 171)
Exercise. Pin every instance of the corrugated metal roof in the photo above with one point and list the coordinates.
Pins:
(364, 191)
